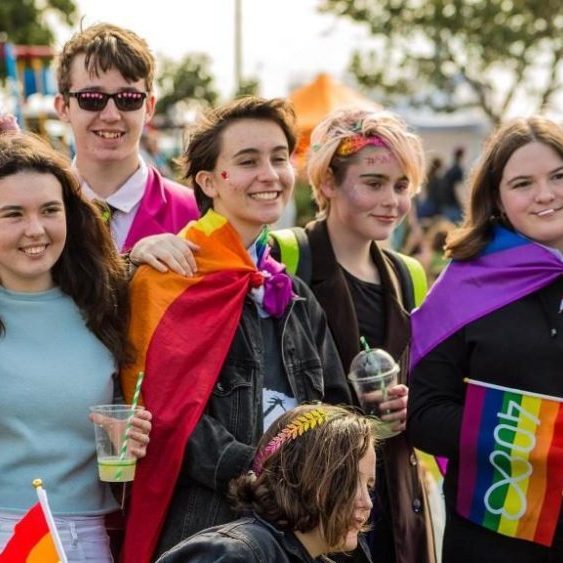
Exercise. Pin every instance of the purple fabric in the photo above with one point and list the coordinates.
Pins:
(277, 286)
(166, 207)
(469, 290)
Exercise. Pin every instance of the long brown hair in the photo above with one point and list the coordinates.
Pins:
(89, 269)
(483, 212)
(311, 480)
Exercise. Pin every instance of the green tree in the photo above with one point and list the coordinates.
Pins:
(248, 87)
(448, 54)
(23, 21)
(190, 78)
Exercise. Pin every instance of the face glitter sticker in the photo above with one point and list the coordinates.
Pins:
(379, 159)
(224, 175)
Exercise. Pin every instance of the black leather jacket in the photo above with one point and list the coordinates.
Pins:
(223, 444)
(247, 540)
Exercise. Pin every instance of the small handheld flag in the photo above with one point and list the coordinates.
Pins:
(511, 461)
(35, 538)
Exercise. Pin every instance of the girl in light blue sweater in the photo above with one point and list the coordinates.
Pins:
(63, 316)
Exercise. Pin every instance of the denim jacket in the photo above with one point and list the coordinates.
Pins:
(223, 444)
(247, 540)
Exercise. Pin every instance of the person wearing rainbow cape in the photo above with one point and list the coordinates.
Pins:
(228, 349)
(486, 387)
(308, 493)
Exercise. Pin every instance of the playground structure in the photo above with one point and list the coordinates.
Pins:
(30, 83)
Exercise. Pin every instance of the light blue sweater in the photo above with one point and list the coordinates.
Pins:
(52, 368)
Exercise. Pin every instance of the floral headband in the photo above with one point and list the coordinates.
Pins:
(297, 427)
(357, 142)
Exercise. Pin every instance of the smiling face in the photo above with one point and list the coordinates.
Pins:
(372, 198)
(32, 230)
(253, 178)
(110, 136)
(531, 193)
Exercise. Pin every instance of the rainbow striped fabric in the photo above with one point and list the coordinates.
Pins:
(181, 328)
(511, 461)
(32, 541)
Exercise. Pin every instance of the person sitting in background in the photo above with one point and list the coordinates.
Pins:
(307, 495)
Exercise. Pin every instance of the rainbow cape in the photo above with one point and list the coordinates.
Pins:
(509, 267)
(511, 461)
(182, 329)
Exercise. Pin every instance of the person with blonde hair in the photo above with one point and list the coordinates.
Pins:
(486, 385)
(308, 493)
(364, 168)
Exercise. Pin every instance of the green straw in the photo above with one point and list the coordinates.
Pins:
(364, 343)
(134, 402)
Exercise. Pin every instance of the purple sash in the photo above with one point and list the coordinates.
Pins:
(508, 268)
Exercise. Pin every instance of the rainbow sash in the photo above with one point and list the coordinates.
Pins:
(182, 329)
(511, 461)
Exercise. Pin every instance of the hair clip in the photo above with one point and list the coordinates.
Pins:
(297, 427)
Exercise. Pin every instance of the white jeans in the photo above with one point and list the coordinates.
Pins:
(84, 538)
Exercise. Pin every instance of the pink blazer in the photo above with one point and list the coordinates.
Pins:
(166, 207)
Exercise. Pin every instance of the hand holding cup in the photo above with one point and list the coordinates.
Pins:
(373, 375)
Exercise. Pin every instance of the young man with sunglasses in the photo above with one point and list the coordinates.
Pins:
(105, 78)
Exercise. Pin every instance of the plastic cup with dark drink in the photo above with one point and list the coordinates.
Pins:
(372, 373)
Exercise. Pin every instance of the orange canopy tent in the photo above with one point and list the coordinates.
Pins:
(315, 100)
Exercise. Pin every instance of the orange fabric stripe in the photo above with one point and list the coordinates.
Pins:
(222, 250)
(27, 533)
(44, 551)
(537, 485)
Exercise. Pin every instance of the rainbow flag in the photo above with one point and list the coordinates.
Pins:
(182, 329)
(35, 538)
(511, 461)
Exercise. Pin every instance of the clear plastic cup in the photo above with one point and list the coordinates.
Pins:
(115, 463)
(372, 373)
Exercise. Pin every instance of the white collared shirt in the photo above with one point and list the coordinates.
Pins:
(126, 200)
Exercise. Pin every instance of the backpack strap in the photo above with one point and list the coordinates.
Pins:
(294, 251)
(418, 277)
(412, 277)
